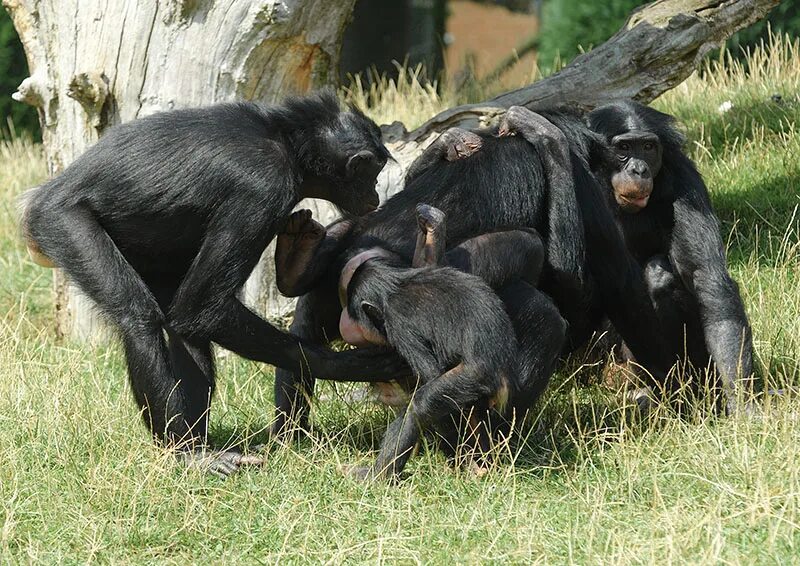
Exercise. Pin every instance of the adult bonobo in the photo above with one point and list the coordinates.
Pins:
(488, 195)
(162, 221)
(669, 225)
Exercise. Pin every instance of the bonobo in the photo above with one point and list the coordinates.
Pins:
(669, 225)
(162, 221)
(662, 207)
(449, 325)
(492, 196)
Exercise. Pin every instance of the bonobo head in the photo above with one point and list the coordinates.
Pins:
(339, 152)
(363, 286)
(636, 135)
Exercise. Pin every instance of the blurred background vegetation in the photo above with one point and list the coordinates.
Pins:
(474, 47)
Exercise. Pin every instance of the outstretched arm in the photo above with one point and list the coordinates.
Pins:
(206, 306)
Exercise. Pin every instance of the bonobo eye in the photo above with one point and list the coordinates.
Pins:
(649, 146)
(624, 146)
(372, 312)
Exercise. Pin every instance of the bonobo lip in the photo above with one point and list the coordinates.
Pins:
(633, 204)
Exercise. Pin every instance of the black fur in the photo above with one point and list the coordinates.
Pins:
(503, 187)
(677, 237)
(454, 332)
(162, 221)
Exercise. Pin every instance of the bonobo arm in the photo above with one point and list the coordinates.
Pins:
(698, 254)
(305, 250)
(206, 306)
(453, 144)
(566, 247)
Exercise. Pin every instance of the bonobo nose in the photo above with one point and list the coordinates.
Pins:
(364, 164)
(640, 168)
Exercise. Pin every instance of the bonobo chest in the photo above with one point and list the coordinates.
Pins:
(646, 233)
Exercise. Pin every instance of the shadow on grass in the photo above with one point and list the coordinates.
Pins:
(759, 217)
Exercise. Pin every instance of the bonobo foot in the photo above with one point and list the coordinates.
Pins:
(430, 219)
(220, 463)
(295, 249)
(390, 394)
(302, 230)
(360, 473)
(459, 143)
(431, 238)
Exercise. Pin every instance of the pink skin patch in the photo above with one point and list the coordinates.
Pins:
(351, 332)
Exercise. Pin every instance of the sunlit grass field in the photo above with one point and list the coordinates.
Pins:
(80, 480)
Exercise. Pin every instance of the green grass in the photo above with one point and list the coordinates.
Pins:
(80, 480)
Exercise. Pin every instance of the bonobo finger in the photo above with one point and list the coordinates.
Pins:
(360, 473)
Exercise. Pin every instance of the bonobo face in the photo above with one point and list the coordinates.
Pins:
(358, 155)
(638, 156)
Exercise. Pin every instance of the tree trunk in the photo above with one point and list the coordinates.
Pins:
(658, 47)
(93, 67)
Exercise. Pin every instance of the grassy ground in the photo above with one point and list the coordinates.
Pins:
(81, 482)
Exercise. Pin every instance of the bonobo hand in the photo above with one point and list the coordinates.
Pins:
(459, 143)
(220, 463)
(536, 130)
(360, 365)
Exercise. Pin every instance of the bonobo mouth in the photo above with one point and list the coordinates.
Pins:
(633, 203)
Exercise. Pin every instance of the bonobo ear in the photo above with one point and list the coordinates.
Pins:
(363, 164)
(375, 316)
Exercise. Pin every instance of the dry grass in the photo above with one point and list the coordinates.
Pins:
(81, 482)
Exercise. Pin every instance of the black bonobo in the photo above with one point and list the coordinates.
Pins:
(662, 207)
(454, 332)
(509, 201)
(669, 225)
(162, 221)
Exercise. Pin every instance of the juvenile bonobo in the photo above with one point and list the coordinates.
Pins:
(450, 327)
(162, 221)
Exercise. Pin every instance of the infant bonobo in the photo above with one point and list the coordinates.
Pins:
(450, 327)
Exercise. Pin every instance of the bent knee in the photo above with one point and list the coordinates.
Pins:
(34, 219)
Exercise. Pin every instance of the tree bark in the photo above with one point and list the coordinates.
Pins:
(95, 63)
(659, 46)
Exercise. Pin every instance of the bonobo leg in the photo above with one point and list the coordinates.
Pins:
(496, 257)
(171, 382)
(677, 310)
(316, 319)
(431, 237)
(500, 257)
(541, 333)
(459, 389)
(453, 144)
